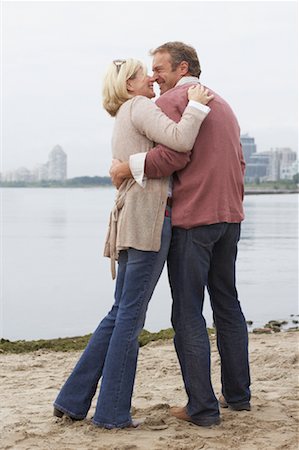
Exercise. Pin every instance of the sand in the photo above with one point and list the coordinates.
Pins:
(30, 382)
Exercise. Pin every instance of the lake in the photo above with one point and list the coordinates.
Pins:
(56, 283)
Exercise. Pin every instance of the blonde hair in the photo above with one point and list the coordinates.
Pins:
(114, 92)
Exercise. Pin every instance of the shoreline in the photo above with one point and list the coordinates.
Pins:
(270, 191)
(78, 343)
(248, 190)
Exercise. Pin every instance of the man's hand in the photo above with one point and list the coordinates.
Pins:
(119, 171)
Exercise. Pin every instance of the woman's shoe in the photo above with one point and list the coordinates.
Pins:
(57, 413)
(60, 414)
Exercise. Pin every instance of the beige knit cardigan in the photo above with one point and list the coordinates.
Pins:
(137, 217)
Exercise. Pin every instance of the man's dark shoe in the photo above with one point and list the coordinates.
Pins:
(235, 407)
(181, 413)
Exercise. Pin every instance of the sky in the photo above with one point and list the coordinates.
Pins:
(55, 54)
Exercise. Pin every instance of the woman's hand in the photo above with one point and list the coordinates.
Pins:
(200, 94)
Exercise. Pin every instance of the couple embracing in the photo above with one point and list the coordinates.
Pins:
(179, 169)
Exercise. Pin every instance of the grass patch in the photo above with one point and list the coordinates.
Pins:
(56, 345)
(77, 343)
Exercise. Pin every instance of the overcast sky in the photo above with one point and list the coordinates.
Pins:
(54, 56)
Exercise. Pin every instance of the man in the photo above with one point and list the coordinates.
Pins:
(207, 210)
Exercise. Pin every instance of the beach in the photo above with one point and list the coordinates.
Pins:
(30, 383)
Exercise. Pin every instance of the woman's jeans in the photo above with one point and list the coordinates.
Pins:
(113, 348)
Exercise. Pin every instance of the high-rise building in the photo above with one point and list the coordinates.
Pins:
(257, 168)
(57, 164)
(256, 164)
(41, 172)
(249, 147)
(286, 163)
(288, 172)
(21, 174)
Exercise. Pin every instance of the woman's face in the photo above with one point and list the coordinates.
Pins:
(141, 85)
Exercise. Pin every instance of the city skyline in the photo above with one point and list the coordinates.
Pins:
(279, 163)
(273, 165)
(55, 55)
(55, 169)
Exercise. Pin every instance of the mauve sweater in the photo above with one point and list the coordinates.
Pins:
(210, 188)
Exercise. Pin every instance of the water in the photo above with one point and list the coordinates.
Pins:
(56, 282)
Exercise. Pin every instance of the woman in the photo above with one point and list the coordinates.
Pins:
(138, 237)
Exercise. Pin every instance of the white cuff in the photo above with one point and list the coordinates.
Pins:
(137, 164)
(200, 106)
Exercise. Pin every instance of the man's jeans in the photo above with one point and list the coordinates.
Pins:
(199, 257)
(113, 348)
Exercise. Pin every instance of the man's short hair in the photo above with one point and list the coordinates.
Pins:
(180, 52)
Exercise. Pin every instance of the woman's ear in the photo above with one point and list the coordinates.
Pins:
(129, 86)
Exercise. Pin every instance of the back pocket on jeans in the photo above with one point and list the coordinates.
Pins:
(207, 235)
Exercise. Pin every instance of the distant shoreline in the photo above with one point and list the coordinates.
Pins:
(270, 191)
(248, 191)
(257, 188)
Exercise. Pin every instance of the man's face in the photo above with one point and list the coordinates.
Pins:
(163, 73)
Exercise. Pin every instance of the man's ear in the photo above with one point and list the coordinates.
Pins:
(184, 68)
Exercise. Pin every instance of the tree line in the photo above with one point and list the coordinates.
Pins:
(71, 182)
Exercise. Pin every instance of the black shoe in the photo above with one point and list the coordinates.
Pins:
(235, 407)
(60, 414)
(57, 413)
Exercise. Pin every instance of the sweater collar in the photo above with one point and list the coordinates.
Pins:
(188, 79)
